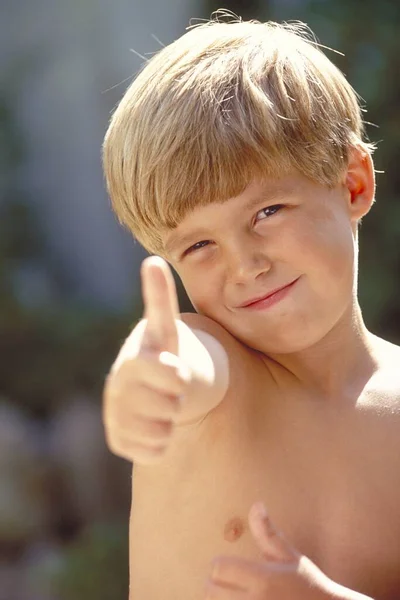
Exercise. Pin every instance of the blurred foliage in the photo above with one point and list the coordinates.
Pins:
(50, 346)
(95, 566)
(48, 355)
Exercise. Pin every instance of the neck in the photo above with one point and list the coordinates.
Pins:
(340, 364)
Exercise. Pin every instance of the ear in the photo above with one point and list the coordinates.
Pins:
(359, 183)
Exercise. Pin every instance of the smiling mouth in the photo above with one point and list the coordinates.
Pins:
(271, 298)
(255, 300)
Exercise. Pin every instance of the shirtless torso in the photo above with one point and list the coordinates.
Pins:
(328, 473)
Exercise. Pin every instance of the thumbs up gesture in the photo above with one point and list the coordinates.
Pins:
(146, 385)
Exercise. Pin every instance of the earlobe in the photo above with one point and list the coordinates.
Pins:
(360, 182)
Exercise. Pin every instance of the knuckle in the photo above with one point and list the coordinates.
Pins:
(154, 404)
(136, 451)
(177, 381)
(147, 455)
(152, 430)
(165, 378)
(174, 403)
(117, 386)
(118, 406)
(154, 395)
(177, 386)
(116, 446)
(141, 401)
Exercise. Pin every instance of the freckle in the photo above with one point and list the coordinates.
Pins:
(234, 529)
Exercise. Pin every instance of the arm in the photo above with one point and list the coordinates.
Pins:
(167, 374)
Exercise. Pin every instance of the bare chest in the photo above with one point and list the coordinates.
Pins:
(331, 485)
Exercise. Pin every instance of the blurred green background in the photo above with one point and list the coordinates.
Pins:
(69, 288)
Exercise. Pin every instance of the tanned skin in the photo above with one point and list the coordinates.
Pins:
(294, 404)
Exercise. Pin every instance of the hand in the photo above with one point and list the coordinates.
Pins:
(285, 574)
(144, 390)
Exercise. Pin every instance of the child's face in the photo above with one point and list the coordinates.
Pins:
(271, 235)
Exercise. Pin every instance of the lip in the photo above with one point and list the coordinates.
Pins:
(270, 298)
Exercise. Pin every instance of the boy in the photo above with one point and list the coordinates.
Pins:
(237, 156)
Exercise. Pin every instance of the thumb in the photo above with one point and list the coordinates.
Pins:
(161, 307)
(273, 545)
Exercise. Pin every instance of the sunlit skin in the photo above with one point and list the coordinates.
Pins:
(270, 235)
(307, 425)
(282, 573)
(274, 233)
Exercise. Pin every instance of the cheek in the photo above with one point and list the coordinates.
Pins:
(202, 291)
(326, 251)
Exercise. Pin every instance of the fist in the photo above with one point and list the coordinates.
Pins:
(145, 389)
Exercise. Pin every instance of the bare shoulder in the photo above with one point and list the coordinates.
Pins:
(202, 323)
(238, 353)
(383, 392)
(247, 370)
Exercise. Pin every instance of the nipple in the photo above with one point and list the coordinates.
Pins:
(234, 529)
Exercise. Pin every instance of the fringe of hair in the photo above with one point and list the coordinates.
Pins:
(225, 104)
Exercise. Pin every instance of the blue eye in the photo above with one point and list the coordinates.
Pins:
(270, 210)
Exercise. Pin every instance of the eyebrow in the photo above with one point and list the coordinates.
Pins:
(186, 239)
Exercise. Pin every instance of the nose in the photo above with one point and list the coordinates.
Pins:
(246, 262)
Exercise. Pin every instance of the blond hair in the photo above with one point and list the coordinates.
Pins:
(223, 105)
